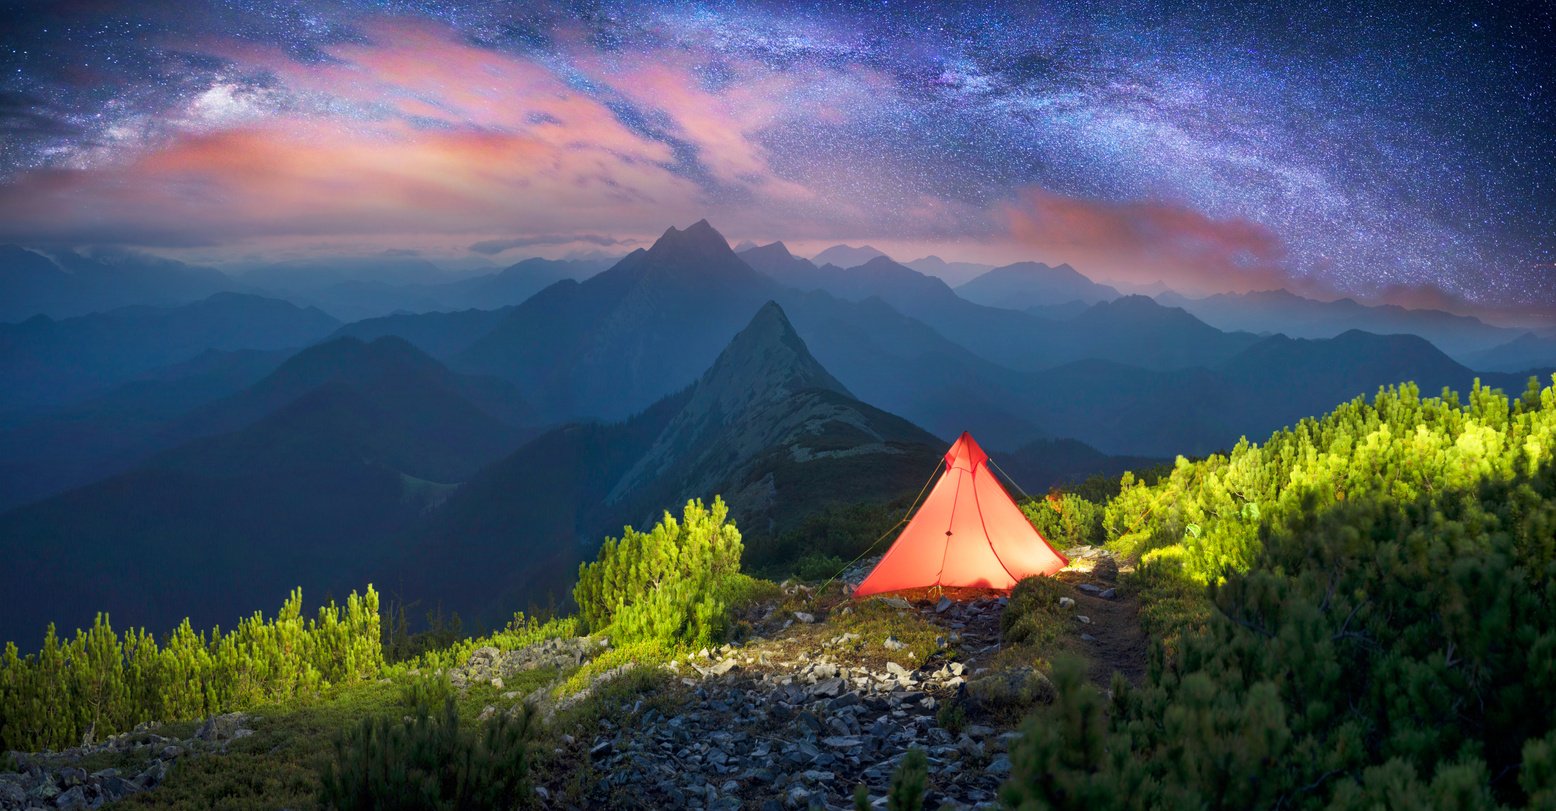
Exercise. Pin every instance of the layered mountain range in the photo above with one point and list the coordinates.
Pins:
(469, 450)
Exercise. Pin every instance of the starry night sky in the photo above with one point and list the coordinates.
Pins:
(1401, 152)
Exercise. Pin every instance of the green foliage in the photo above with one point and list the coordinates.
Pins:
(100, 683)
(816, 566)
(1383, 634)
(952, 717)
(1205, 517)
(427, 691)
(1066, 520)
(674, 583)
(1033, 616)
(838, 532)
(430, 761)
(909, 782)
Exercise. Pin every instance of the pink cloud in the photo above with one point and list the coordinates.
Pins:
(1141, 242)
(344, 148)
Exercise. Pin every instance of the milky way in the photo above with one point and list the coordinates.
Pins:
(1382, 150)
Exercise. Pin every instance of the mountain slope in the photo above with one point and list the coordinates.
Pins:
(69, 284)
(767, 399)
(45, 362)
(308, 494)
(112, 432)
(1526, 352)
(765, 426)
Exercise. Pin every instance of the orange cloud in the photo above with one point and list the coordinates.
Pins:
(1142, 242)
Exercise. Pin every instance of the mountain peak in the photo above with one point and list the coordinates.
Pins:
(766, 357)
(700, 237)
(772, 249)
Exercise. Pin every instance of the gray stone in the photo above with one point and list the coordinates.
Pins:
(804, 617)
(827, 688)
(723, 667)
(1090, 588)
(219, 728)
(74, 798)
(1083, 619)
(12, 795)
(891, 643)
(1066, 602)
(1000, 765)
(1108, 594)
(945, 603)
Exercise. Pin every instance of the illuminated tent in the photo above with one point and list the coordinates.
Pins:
(968, 533)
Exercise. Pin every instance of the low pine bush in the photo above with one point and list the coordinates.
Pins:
(674, 583)
(430, 761)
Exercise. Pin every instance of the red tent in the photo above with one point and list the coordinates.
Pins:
(968, 533)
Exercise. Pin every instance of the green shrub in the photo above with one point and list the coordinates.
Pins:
(816, 566)
(427, 691)
(100, 683)
(1066, 520)
(1378, 653)
(909, 782)
(673, 583)
(431, 761)
(1033, 616)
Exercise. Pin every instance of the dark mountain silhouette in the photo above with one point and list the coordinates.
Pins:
(775, 262)
(846, 256)
(1274, 383)
(1134, 330)
(310, 493)
(112, 432)
(44, 362)
(65, 284)
(515, 283)
(766, 426)
(1038, 466)
(441, 335)
(1527, 352)
(610, 345)
(767, 421)
(356, 299)
(1138, 331)
(1024, 285)
(1299, 317)
(387, 369)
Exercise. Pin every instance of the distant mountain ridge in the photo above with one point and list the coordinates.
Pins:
(47, 362)
(1282, 311)
(846, 256)
(1025, 285)
(65, 284)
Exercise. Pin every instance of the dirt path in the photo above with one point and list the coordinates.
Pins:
(1114, 640)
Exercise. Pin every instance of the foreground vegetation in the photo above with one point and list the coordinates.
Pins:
(99, 682)
(1379, 629)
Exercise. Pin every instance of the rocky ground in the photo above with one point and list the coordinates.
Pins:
(141, 758)
(799, 714)
(820, 695)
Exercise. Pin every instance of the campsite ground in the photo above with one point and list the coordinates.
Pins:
(820, 694)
